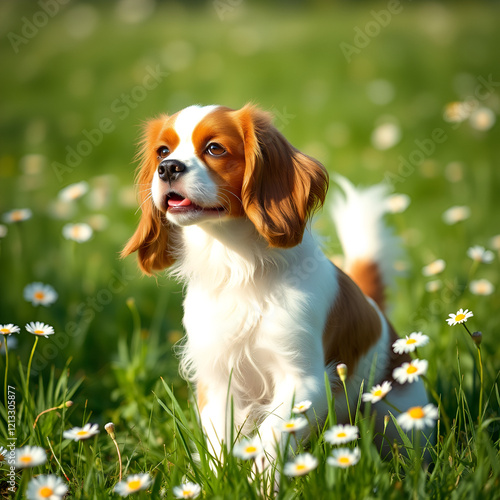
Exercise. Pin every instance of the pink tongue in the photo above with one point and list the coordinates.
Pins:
(178, 201)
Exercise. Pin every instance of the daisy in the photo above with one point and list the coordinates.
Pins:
(385, 136)
(344, 457)
(340, 434)
(247, 448)
(30, 456)
(80, 433)
(132, 484)
(302, 407)
(187, 490)
(456, 112)
(478, 287)
(40, 294)
(409, 372)
(410, 343)
(38, 328)
(460, 317)
(77, 232)
(17, 215)
(433, 268)
(294, 424)
(377, 392)
(418, 417)
(9, 329)
(433, 285)
(342, 371)
(303, 464)
(397, 203)
(73, 191)
(46, 487)
(3, 453)
(480, 254)
(456, 214)
(482, 119)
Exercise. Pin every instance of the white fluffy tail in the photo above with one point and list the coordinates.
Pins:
(370, 246)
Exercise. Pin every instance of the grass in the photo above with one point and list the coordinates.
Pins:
(112, 353)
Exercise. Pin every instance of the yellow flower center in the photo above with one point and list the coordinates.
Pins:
(17, 216)
(45, 492)
(411, 341)
(39, 295)
(4, 330)
(82, 433)
(250, 449)
(187, 493)
(341, 435)
(25, 460)
(344, 460)
(2, 458)
(378, 392)
(77, 231)
(300, 467)
(459, 317)
(135, 484)
(416, 413)
(289, 425)
(38, 332)
(411, 369)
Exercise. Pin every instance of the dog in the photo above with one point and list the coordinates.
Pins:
(226, 202)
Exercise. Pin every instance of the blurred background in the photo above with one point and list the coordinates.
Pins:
(406, 93)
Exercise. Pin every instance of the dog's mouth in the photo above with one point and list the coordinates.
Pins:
(176, 203)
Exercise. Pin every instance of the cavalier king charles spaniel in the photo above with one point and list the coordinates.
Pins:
(226, 202)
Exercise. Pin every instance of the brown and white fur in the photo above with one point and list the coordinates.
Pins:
(226, 201)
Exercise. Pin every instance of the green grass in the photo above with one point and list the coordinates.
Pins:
(112, 353)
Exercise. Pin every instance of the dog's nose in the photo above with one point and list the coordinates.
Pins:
(169, 170)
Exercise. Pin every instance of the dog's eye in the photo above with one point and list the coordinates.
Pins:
(162, 152)
(215, 149)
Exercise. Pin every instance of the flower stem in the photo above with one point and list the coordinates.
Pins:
(481, 380)
(29, 367)
(119, 457)
(6, 371)
(387, 402)
(347, 399)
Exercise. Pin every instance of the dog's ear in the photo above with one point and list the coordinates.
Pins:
(153, 236)
(282, 186)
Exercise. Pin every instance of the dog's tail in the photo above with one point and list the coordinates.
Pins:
(370, 246)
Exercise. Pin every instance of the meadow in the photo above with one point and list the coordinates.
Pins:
(404, 93)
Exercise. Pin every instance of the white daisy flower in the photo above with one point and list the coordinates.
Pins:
(132, 484)
(30, 456)
(77, 232)
(460, 317)
(434, 268)
(385, 136)
(456, 112)
(38, 328)
(3, 231)
(73, 191)
(456, 214)
(9, 329)
(248, 448)
(480, 254)
(294, 424)
(410, 343)
(482, 119)
(418, 417)
(302, 464)
(46, 488)
(40, 294)
(187, 490)
(302, 407)
(409, 372)
(81, 433)
(3, 454)
(344, 457)
(17, 215)
(377, 392)
(341, 434)
(477, 287)
(397, 203)
(433, 286)
(342, 371)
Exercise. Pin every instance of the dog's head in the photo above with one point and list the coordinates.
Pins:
(208, 164)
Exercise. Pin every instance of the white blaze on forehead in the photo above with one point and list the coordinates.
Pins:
(184, 125)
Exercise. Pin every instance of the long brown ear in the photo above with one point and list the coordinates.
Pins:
(152, 238)
(282, 186)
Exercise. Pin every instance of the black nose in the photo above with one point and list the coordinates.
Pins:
(170, 170)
